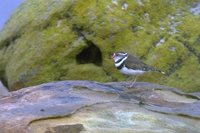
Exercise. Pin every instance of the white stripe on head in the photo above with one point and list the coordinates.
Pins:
(122, 53)
(119, 63)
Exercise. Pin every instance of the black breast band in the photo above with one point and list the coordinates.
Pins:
(120, 66)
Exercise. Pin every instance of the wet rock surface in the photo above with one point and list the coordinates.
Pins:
(86, 106)
(73, 40)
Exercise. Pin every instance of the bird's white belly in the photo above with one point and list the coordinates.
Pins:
(127, 71)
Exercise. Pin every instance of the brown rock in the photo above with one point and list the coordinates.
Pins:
(66, 129)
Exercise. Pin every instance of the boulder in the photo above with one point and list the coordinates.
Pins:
(93, 107)
(3, 90)
(71, 39)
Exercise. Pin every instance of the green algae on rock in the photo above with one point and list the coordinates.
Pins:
(71, 39)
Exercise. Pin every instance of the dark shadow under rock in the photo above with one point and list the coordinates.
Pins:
(91, 54)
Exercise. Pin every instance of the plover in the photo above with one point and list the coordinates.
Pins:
(131, 65)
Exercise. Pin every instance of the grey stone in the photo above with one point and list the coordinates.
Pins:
(86, 106)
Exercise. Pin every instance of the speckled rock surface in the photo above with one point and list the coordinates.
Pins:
(72, 39)
(93, 107)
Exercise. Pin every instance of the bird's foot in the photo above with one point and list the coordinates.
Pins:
(132, 85)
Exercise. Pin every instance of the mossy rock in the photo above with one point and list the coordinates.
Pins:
(71, 39)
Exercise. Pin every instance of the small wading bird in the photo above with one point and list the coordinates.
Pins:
(131, 65)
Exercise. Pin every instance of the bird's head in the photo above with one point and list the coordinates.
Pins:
(119, 55)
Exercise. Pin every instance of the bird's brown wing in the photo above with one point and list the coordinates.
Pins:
(136, 64)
